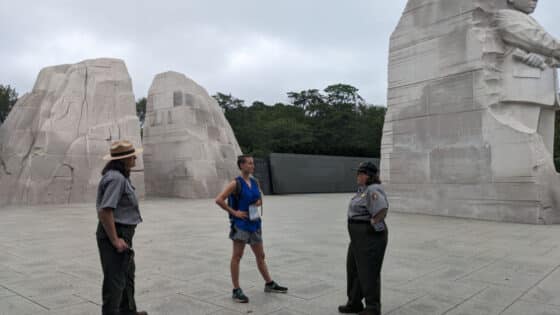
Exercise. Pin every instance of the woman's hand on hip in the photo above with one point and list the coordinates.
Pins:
(379, 216)
(240, 214)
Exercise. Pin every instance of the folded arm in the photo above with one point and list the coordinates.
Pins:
(524, 33)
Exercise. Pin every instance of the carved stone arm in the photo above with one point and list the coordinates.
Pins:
(521, 31)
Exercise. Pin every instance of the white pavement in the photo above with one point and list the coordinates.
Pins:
(49, 262)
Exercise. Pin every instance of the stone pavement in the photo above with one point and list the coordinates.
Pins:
(49, 262)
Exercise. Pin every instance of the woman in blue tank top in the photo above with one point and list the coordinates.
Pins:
(244, 193)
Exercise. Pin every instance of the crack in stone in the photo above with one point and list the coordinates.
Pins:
(4, 167)
(84, 102)
(71, 181)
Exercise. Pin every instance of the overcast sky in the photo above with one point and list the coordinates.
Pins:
(253, 49)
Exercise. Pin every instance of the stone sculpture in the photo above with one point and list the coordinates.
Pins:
(471, 108)
(190, 148)
(53, 141)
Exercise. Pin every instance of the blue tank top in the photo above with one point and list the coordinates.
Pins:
(247, 196)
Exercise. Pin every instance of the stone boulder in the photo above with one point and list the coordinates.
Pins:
(53, 141)
(190, 150)
(463, 135)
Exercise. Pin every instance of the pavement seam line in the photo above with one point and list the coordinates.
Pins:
(25, 297)
(465, 300)
(529, 289)
(86, 300)
(478, 269)
(407, 303)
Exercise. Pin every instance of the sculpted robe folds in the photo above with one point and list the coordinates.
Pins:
(472, 97)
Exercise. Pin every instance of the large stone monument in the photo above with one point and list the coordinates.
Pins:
(53, 141)
(472, 98)
(190, 150)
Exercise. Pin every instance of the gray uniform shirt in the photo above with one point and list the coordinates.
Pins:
(116, 192)
(367, 202)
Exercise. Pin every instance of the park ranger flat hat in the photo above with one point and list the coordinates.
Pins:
(367, 168)
(122, 149)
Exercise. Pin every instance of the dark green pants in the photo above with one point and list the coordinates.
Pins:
(363, 265)
(118, 272)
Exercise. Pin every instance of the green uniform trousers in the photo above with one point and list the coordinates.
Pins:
(363, 265)
(118, 272)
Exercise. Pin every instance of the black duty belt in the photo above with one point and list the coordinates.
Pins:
(125, 226)
(354, 221)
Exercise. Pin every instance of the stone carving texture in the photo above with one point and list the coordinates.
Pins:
(53, 141)
(190, 148)
(471, 107)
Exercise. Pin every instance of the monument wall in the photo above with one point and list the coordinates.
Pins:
(309, 174)
(460, 139)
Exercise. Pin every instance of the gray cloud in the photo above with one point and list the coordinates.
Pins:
(254, 49)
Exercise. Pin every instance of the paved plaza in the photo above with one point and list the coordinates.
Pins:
(49, 262)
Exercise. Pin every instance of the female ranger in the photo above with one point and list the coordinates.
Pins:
(368, 240)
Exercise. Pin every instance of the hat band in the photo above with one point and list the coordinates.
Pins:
(123, 153)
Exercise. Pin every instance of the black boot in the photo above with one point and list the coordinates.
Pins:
(350, 309)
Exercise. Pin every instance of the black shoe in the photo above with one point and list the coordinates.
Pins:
(274, 288)
(368, 312)
(239, 297)
(350, 309)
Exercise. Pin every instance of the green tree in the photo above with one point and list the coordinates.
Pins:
(141, 110)
(343, 94)
(335, 121)
(228, 102)
(8, 98)
(307, 99)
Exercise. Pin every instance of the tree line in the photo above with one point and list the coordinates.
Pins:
(334, 121)
(8, 98)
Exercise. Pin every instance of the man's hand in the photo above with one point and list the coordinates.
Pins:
(120, 245)
(535, 61)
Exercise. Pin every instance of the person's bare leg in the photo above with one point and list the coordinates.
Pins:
(238, 248)
(258, 250)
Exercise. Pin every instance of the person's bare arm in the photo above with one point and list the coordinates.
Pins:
(108, 221)
(220, 201)
(380, 216)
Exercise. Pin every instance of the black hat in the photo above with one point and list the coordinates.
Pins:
(367, 168)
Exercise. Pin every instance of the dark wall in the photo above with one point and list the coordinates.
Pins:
(295, 173)
(262, 173)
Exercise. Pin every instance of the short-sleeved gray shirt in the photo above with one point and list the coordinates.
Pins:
(116, 192)
(367, 202)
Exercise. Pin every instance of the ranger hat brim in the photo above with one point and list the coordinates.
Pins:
(122, 149)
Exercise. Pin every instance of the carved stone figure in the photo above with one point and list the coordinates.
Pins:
(190, 148)
(529, 71)
(471, 103)
(53, 141)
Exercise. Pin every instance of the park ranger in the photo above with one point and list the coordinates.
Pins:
(118, 213)
(368, 240)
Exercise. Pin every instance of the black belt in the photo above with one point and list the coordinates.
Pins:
(125, 226)
(354, 221)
